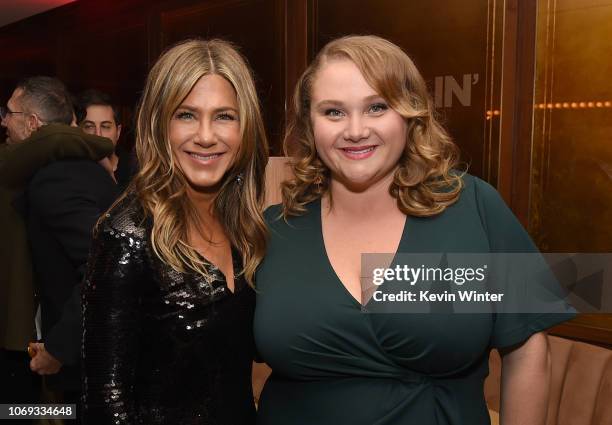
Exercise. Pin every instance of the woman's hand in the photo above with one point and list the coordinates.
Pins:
(525, 382)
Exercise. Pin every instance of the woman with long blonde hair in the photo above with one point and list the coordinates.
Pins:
(375, 172)
(168, 298)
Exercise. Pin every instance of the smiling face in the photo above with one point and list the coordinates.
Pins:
(357, 134)
(205, 133)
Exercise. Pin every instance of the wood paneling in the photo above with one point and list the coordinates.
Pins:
(570, 166)
(514, 172)
(297, 44)
(571, 193)
(593, 328)
(111, 46)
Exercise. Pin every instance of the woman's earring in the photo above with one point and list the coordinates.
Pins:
(239, 179)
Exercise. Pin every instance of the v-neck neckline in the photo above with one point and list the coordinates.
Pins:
(318, 211)
(220, 272)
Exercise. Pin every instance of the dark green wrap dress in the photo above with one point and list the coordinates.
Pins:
(334, 365)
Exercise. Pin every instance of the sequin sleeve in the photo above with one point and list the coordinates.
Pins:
(112, 321)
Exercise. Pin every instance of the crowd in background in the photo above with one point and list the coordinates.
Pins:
(61, 167)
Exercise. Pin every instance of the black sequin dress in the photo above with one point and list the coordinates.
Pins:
(162, 347)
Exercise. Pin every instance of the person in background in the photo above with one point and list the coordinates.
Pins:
(61, 201)
(97, 114)
(167, 302)
(375, 172)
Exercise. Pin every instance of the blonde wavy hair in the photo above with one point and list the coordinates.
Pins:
(160, 185)
(426, 181)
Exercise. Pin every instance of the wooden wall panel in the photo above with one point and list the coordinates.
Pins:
(570, 208)
(111, 45)
(113, 61)
(85, 44)
(572, 160)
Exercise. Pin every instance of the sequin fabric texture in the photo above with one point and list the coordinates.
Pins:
(159, 346)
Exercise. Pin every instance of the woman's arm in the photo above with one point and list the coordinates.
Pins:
(525, 382)
(111, 326)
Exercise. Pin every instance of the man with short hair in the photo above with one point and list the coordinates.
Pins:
(62, 201)
(96, 114)
(46, 101)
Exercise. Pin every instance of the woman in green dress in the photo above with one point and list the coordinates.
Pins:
(375, 173)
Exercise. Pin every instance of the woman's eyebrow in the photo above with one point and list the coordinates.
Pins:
(188, 107)
(192, 108)
(328, 102)
(333, 102)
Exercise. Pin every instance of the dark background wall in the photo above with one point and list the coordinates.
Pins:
(110, 45)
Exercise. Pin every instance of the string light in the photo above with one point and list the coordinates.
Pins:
(574, 105)
(561, 105)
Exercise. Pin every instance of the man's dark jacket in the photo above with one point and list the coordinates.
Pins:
(62, 203)
(65, 200)
(18, 163)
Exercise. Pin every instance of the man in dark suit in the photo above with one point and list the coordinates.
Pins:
(65, 200)
(61, 204)
(17, 309)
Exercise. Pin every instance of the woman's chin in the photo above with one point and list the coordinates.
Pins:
(209, 186)
(360, 182)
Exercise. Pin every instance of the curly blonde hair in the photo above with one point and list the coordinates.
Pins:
(426, 181)
(160, 185)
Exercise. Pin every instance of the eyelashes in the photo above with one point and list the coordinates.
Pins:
(378, 107)
(375, 109)
(226, 116)
(183, 115)
(332, 113)
(92, 127)
(223, 116)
